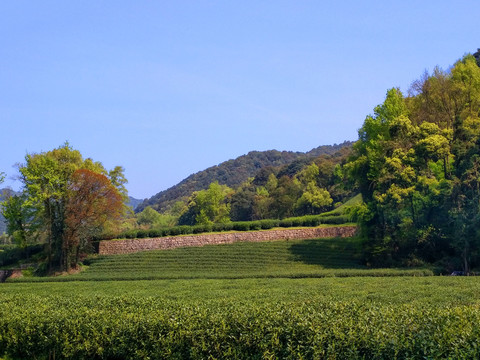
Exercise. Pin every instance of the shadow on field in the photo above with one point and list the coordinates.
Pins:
(336, 253)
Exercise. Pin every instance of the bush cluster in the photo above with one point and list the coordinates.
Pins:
(302, 221)
(12, 254)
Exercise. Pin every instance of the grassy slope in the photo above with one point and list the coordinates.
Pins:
(357, 199)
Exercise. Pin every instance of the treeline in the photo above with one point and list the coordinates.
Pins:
(300, 221)
(417, 165)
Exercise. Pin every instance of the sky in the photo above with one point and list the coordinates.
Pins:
(169, 88)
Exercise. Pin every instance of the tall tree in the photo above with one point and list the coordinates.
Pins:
(47, 186)
(92, 200)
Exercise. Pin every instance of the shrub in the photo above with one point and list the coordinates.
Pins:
(200, 229)
(241, 226)
(256, 226)
(142, 233)
(12, 254)
(286, 223)
(130, 234)
(155, 233)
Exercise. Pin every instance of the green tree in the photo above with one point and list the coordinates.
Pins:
(46, 179)
(208, 206)
(417, 164)
(118, 179)
(242, 202)
(314, 200)
(284, 197)
(19, 217)
(148, 217)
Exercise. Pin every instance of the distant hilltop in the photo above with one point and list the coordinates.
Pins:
(234, 172)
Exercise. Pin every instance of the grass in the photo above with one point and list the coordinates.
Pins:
(357, 199)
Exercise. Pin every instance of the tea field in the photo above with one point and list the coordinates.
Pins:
(276, 259)
(305, 306)
(327, 318)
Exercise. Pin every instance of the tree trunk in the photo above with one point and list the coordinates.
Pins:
(465, 257)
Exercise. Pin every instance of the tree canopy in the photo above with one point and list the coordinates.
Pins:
(417, 165)
(65, 201)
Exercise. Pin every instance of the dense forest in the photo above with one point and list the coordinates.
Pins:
(416, 165)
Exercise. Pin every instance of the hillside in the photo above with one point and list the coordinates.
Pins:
(133, 203)
(233, 172)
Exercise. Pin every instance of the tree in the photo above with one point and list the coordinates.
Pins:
(208, 206)
(242, 202)
(417, 164)
(284, 197)
(314, 200)
(48, 181)
(18, 216)
(92, 200)
(118, 179)
(148, 217)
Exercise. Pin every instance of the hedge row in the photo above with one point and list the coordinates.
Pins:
(303, 221)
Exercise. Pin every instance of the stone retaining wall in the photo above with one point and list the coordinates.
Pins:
(110, 247)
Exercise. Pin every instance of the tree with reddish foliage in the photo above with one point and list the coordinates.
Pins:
(92, 202)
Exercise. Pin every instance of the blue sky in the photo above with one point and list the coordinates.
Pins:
(169, 88)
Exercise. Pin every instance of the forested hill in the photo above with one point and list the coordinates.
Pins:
(233, 172)
(132, 202)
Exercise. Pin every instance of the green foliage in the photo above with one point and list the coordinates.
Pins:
(301, 221)
(207, 207)
(21, 222)
(148, 217)
(13, 254)
(417, 166)
(351, 318)
(53, 204)
(118, 179)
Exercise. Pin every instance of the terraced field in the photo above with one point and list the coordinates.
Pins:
(271, 300)
(282, 259)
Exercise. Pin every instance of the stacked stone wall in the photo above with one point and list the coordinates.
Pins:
(111, 247)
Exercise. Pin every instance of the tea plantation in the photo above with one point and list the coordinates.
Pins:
(285, 259)
(277, 300)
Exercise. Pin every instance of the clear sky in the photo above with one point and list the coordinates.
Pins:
(169, 88)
